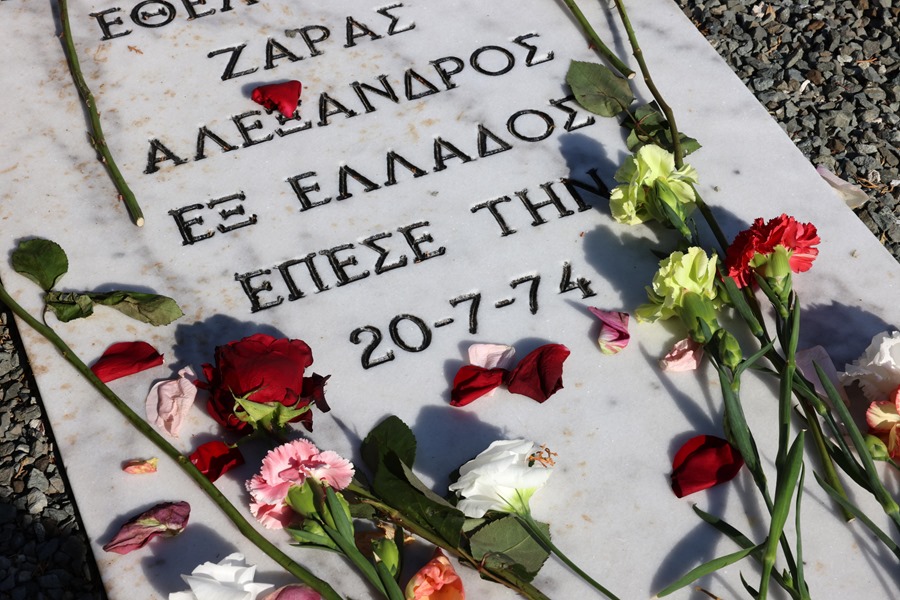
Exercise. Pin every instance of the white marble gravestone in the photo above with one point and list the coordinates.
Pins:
(436, 160)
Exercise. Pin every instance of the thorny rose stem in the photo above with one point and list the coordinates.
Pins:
(98, 141)
(181, 460)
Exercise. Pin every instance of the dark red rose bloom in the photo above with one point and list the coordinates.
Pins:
(703, 462)
(762, 238)
(538, 376)
(265, 370)
(282, 97)
(213, 459)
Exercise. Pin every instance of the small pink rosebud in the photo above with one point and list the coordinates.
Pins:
(294, 592)
(437, 580)
(614, 334)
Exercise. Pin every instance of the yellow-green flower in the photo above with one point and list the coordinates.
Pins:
(640, 198)
(679, 275)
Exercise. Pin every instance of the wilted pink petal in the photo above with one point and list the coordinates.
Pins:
(437, 580)
(294, 592)
(273, 516)
(685, 355)
(126, 358)
(167, 519)
(141, 466)
(168, 401)
(819, 355)
(491, 356)
(614, 334)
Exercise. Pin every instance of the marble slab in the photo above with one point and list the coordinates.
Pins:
(479, 108)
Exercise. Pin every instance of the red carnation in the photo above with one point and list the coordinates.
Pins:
(750, 247)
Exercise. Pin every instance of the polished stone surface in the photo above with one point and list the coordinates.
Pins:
(617, 422)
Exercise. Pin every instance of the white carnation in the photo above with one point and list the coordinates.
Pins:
(878, 370)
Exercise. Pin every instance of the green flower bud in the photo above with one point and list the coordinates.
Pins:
(301, 499)
(877, 448)
(387, 552)
(728, 348)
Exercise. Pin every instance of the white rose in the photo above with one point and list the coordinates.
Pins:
(878, 369)
(230, 579)
(500, 478)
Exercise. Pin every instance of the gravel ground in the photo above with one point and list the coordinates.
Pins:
(828, 72)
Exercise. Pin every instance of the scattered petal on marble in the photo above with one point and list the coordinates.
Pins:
(168, 401)
(126, 358)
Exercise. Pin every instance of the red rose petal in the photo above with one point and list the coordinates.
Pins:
(539, 374)
(473, 382)
(167, 519)
(283, 97)
(126, 358)
(213, 459)
(703, 462)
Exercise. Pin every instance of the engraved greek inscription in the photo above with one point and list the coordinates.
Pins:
(444, 74)
(572, 113)
(253, 292)
(245, 129)
(282, 52)
(202, 134)
(356, 30)
(328, 107)
(386, 91)
(532, 50)
(338, 265)
(307, 34)
(343, 172)
(511, 125)
(392, 28)
(155, 13)
(497, 65)
(154, 158)
(440, 157)
(236, 51)
(484, 134)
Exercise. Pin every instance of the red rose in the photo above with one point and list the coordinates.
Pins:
(263, 370)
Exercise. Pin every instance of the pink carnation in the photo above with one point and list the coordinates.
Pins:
(288, 465)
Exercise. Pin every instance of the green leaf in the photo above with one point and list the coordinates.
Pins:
(506, 544)
(705, 569)
(598, 89)
(41, 261)
(146, 308)
(391, 436)
(69, 306)
(653, 128)
(430, 512)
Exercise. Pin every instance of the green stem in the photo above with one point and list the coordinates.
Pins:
(98, 140)
(598, 44)
(544, 540)
(181, 460)
(667, 110)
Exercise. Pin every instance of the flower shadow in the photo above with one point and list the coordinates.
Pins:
(843, 330)
(195, 343)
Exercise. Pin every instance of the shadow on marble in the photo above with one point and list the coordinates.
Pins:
(196, 343)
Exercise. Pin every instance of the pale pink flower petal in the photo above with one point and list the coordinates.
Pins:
(491, 356)
(614, 334)
(168, 401)
(685, 355)
(273, 516)
(294, 592)
(817, 355)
